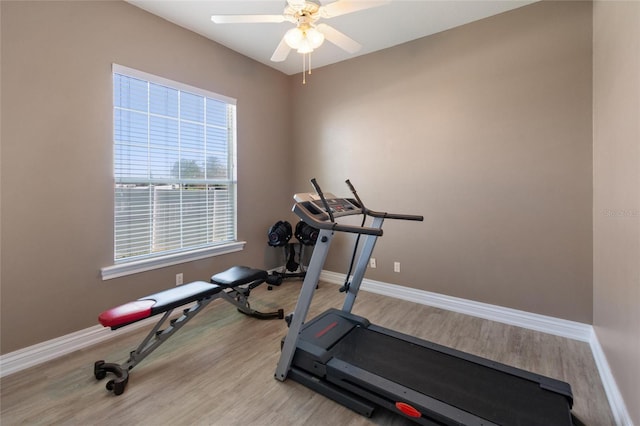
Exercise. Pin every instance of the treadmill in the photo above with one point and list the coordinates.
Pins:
(363, 366)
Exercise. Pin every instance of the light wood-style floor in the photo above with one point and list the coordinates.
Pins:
(218, 370)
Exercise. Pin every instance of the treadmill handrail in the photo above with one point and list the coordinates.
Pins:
(374, 213)
(397, 216)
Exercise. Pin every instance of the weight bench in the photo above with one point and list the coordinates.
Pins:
(233, 285)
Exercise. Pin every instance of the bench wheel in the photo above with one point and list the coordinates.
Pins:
(116, 387)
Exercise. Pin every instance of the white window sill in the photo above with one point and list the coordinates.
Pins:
(130, 268)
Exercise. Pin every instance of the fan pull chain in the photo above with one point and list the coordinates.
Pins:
(304, 62)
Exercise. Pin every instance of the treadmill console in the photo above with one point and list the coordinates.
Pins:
(312, 206)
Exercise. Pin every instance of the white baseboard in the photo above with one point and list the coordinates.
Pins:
(618, 407)
(42, 352)
(559, 327)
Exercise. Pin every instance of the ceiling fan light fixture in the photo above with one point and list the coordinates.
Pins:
(294, 37)
(315, 37)
(305, 46)
(304, 40)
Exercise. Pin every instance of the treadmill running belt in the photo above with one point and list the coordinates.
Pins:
(490, 394)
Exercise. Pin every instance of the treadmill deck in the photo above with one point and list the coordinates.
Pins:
(389, 367)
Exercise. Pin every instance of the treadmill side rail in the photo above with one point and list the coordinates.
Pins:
(385, 393)
(341, 396)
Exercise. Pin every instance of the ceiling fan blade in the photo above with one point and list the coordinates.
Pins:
(342, 7)
(339, 39)
(281, 52)
(247, 19)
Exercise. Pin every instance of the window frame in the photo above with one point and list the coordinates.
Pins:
(132, 265)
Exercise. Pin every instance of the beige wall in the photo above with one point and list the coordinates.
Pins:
(616, 212)
(486, 131)
(57, 185)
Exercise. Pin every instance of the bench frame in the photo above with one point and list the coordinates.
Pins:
(235, 292)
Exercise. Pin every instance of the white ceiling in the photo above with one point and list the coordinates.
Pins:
(393, 23)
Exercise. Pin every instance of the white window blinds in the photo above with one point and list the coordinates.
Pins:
(174, 167)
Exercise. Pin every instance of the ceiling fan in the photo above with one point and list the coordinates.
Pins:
(307, 35)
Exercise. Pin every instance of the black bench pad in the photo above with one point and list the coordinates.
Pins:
(181, 295)
(239, 275)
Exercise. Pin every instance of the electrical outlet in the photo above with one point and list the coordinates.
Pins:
(396, 266)
(372, 262)
(179, 278)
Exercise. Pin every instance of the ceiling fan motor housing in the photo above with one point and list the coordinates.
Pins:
(306, 13)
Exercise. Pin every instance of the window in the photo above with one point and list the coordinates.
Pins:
(174, 170)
